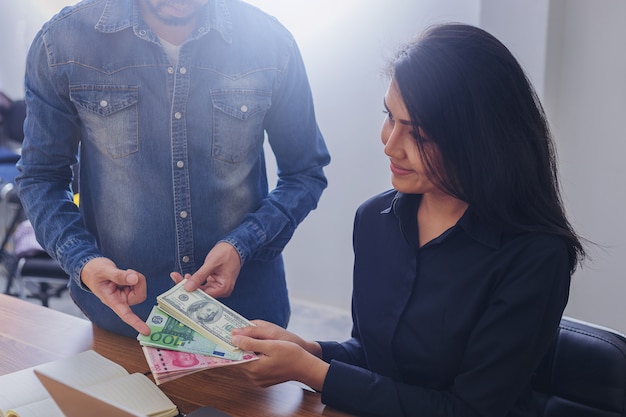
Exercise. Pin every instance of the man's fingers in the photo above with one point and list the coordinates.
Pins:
(130, 318)
(131, 278)
(176, 277)
(126, 278)
(194, 281)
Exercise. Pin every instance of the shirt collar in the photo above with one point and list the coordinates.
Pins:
(404, 207)
(123, 14)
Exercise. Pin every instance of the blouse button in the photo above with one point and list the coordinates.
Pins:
(244, 108)
(170, 70)
(185, 259)
(183, 214)
(104, 103)
(180, 164)
(178, 115)
(183, 70)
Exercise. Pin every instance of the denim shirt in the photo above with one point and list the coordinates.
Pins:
(171, 158)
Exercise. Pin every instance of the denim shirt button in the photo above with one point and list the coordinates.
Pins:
(142, 32)
(178, 115)
(104, 103)
(170, 70)
(180, 164)
(183, 214)
(185, 259)
(244, 108)
(183, 70)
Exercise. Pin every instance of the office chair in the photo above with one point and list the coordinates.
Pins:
(30, 273)
(39, 276)
(584, 373)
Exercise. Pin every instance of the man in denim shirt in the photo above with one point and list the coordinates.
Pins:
(166, 104)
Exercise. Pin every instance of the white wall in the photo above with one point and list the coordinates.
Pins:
(586, 68)
(19, 22)
(573, 51)
(523, 27)
(345, 63)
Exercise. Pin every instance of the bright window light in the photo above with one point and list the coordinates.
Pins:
(305, 19)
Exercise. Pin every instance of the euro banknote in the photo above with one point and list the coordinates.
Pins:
(168, 333)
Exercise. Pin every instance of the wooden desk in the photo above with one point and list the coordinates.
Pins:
(31, 335)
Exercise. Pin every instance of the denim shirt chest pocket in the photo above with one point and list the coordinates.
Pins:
(238, 122)
(109, 116)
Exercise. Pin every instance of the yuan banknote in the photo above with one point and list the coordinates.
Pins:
(167, 365)
(202, 313)
(168, 333)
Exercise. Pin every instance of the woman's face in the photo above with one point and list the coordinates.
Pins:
(408, 174)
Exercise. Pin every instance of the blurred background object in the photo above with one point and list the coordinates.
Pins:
(12, 114)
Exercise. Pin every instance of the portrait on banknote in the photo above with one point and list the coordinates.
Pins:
(182, 359)
(205, 311)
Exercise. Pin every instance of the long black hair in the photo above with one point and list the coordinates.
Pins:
(471, 97)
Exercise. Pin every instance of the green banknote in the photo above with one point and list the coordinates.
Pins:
(168, 333)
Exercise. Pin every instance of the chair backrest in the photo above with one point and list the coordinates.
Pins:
(584, 373)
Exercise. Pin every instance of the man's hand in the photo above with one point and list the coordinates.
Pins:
(218, 274)
(117, 289)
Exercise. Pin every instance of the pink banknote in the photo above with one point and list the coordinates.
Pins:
(167, 365)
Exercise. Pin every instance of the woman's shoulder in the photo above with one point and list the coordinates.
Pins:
(538, 244)
(379, 202)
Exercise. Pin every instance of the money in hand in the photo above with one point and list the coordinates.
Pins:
(167, 365)
(203, 313)
(168, 333)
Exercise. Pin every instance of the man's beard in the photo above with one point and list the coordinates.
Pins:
(169, 20)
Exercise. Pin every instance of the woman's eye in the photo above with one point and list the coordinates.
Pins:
(388, 113)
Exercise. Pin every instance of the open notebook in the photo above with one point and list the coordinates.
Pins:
(76, 403)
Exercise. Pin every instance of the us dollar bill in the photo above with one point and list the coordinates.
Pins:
(202, 313)
(168, 333)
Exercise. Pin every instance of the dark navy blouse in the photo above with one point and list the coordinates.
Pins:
(454, 328)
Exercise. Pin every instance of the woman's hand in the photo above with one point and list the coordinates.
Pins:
(269, 331)
(283, 356)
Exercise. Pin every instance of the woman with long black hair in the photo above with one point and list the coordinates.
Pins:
(462, 271)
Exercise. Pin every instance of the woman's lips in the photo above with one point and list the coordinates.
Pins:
(396, 170)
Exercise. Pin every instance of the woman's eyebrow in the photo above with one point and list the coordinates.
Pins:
(401, 121)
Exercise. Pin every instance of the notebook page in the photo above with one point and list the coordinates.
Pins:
(44, 408)
(84, 369)
(135, 392)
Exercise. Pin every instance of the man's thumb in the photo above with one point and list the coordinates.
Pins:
(128, 278)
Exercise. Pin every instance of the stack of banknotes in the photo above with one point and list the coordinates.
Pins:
(190, 332)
